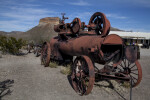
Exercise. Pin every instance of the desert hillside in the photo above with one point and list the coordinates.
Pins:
(42, 32)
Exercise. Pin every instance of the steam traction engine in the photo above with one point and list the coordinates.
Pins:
(91, 44)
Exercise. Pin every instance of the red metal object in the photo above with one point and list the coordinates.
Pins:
(133, 70)
(101, 22)
(93, 46)
(83, 75)
(45, 54)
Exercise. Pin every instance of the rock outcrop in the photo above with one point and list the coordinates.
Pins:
(49, 20)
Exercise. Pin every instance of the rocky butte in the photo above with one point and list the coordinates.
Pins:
(49, 20)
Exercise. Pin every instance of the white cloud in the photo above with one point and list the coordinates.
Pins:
(58, 4)
(136, 29)
(116, 16)
(21, 16)
(84, 16)
(144, 3)
(138, 3)
(141, 3)
(80, 3)
(14, 26)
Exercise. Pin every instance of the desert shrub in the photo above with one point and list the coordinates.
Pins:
(11, 44)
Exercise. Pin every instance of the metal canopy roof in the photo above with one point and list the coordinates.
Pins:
(137, 35)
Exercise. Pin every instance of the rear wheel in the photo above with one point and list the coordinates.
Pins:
(45, 54)
(134, 70)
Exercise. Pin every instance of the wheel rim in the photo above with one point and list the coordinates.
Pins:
(83, 76)
(134, 70)
(101, 22)
(45, 55)
(76, 25)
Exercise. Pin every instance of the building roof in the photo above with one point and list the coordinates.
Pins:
(137, 35)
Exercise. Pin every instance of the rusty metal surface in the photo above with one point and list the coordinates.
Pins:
(113, 39)
(84, 45)
(93, 46)
(98, 25)
(139, 69)
(133, 70)
(45, 54)
(131, 53)
(83, 75)
(76, 25)
(102, 23)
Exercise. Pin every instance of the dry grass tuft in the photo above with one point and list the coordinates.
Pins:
(111, 85)
(66, 69)
(53, 65)
(126, 84)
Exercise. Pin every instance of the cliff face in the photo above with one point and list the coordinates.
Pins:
(49, 20)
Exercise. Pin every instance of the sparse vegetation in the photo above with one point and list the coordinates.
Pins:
(11, 45)
(53, 65)
(111, 85)
(126, 84)
(66, 69)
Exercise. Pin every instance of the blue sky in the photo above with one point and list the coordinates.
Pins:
(22, 15)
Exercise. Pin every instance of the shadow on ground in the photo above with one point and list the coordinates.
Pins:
(111, 86)
(5, 88)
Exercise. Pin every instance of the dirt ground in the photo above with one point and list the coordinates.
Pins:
(27, 79)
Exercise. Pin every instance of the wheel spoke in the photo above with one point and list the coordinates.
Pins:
(119, 68)
(134, 77)
(97, 19)
(134, 69)
(134, 73)
(129, 63)
(81, 85)
(133, 66)
(133, 81)
(124, 63)
(121, 65)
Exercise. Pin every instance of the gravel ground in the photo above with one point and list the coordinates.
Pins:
(28, 80)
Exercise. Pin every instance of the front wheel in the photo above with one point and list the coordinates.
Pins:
(83, 76)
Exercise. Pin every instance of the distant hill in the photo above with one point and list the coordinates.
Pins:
(3, 33)
(44, 31)
(12, 32)
(114, 29)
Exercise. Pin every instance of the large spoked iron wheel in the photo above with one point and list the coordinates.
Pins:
(83, 76)
(76, 25)
(102, 24)
(45, 54)
(134, 70)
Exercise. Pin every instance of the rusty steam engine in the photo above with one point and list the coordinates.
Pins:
(92, 44)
